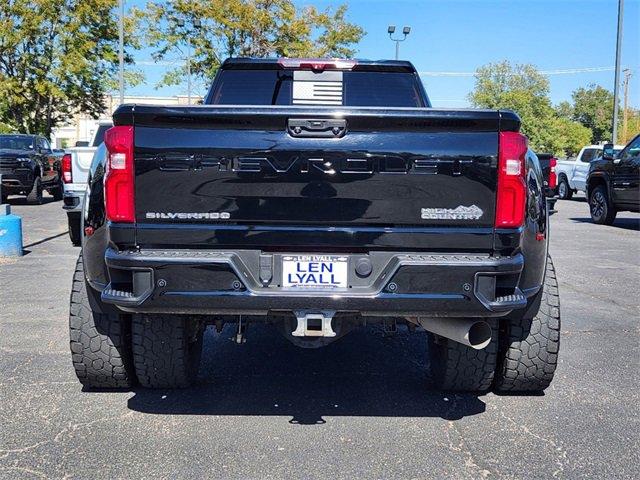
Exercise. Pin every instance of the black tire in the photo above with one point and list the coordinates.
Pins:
(564, 190)
(602, 210)
(100, 342)
(57, 191)
(34, 197)
(166, 350)
(530, 355)
(458, 368)
(73, 221)
(3, 198)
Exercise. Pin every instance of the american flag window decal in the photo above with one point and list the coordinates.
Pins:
(322, 88)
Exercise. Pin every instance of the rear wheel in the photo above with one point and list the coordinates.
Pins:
(100, 343)
(456, 367)
(529, 359)
(73, 221)
(166, 349)
(601, 208)
(564, 190)
(34, 197)
(58, 191)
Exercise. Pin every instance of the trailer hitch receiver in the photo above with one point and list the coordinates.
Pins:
(314, 324)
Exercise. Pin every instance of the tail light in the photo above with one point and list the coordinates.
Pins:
(512, 189)
(67, 175)
(553, 177)
(118, 179)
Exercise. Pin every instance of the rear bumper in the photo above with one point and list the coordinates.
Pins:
(72, 197)
(248, 282)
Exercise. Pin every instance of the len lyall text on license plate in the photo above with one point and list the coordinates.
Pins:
(314, 271)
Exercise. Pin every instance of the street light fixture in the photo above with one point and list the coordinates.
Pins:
(197, 24)
(405, 31)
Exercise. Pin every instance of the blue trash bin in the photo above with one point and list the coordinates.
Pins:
(10, 236)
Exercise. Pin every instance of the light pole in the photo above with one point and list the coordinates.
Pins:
(405, 31)
(121, 51)
(625, 102)
(197, 25)
(616, 87)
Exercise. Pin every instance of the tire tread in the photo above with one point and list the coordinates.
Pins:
(34, 197)
(162, 350)
(531, 356)
(99, 342)
(75, 236)
(456, 367)
(610, 213)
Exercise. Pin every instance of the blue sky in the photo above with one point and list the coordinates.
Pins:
(460, 35)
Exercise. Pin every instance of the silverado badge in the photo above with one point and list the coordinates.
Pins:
(459, 213)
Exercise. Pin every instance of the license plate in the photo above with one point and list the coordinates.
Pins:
(314, 272)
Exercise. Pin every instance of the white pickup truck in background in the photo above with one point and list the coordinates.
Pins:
(572, 173)
(75, 170)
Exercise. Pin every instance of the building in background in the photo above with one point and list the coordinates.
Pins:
(82, 127)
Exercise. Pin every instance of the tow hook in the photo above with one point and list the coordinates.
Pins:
(314, 324)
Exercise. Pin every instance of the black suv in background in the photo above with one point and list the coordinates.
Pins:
(613, 184)
(28, 166)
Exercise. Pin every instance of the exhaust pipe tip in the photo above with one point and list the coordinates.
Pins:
(474, 333)
(479, 335)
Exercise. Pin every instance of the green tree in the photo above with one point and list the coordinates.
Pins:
(56, 58)
(593, 108)
(520, 88)
(523, 89)
(633, 126)
(243, 28)
(6, 128)
(572, 136)
(565, 110)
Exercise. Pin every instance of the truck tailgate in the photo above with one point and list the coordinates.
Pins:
(82, 157)
(237, 167)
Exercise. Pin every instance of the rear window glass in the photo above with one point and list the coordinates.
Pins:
(99, 138)
(304, 87)
(589, 154)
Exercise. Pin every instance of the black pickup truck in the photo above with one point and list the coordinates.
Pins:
(613, 183)
(317, 196)
(29, 166)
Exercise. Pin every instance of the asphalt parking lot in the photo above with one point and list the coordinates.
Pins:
(358, 408)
